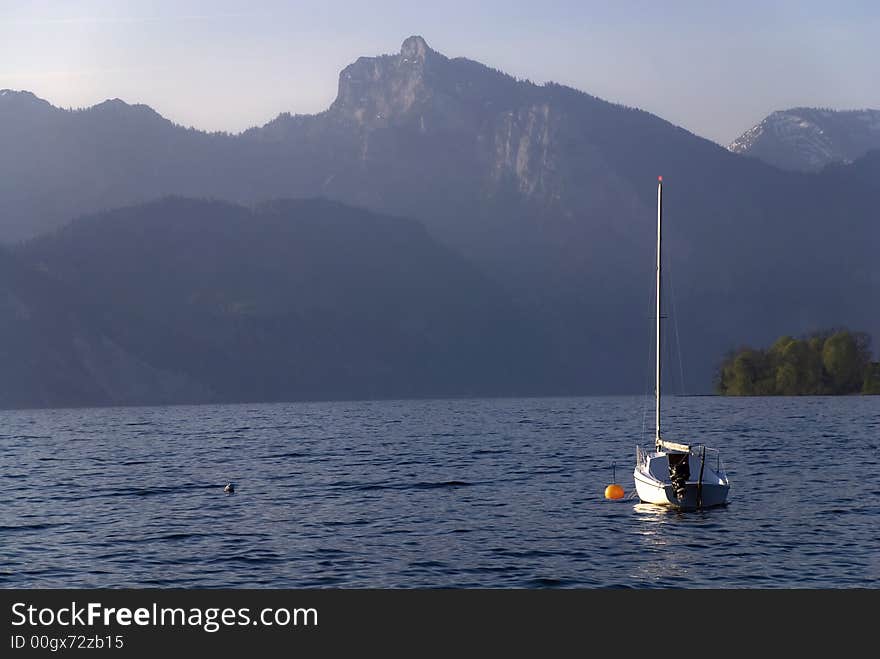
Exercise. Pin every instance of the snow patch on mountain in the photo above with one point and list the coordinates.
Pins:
(808, 139)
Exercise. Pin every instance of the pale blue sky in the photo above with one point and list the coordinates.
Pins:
(714, 68)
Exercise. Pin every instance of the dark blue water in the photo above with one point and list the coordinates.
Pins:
(443, 493)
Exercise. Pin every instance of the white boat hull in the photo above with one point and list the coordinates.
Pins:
(664, 495)
(654, 486)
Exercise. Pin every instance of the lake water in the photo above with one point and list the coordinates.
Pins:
(439, 493)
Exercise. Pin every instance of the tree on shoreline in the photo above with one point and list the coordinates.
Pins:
(830, 362)
(872, 379)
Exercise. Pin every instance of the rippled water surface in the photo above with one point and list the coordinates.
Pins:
(440, 493)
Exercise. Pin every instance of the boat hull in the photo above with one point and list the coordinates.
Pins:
(695, 496)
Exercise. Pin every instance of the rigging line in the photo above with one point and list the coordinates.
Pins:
(647, 399)
(675, 325)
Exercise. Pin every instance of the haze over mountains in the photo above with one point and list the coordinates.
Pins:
(183, 300)
(535, 268)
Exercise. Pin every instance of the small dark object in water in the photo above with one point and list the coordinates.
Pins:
(229, 489)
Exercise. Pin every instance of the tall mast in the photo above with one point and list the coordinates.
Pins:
(657, 372)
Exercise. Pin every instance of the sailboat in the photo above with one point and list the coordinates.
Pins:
(681, 475)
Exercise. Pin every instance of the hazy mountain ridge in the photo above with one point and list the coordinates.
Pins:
(808, 139)
(548, 191)
(60, 350)
(498, 136)
(294, 300)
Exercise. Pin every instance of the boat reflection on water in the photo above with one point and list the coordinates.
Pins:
(656, 533)
(660, 513)
(684, 544)
(653, 520)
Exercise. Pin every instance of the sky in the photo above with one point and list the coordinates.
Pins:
(713, 68)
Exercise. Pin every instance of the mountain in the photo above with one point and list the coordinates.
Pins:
(549, 192)
(57, 164)
(59, 350)
(808, 139)
(182, 300)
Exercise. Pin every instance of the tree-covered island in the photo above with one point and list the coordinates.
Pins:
(830, 362)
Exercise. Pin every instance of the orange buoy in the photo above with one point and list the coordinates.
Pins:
(614, 491)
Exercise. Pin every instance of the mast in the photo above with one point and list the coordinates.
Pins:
(657, 371)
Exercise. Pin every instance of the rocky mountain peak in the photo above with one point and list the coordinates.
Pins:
(374, 89)
(415, 48)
